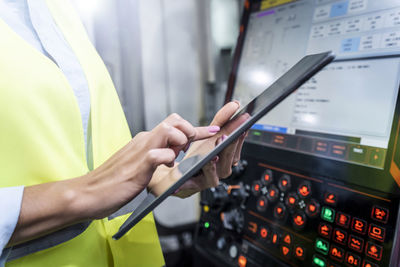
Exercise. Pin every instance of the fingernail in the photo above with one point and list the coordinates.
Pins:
(215, 159)
(214, 129)
(237, 102)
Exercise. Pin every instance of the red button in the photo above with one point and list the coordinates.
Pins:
(252, 227)
(373, 251)
(359, 226)
(299, 252)
(380, 214)
(291, 200)
(369, 264)
(339, 236)
(377, 233)
(325, 230)
(304, 189)
(330, 198)
(343, 220)
(353, 260)
(356, 243)
(256, 187)
(284, 183)
(242, 261)
(285, 250)
(267, 177)
(279, 211)
(287, 239)
(336, 253)
(275, 239)
(299, 220)
(273, 193)
(264, 232)
(262, 204)
(312, 208)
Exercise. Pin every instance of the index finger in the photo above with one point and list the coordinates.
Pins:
(205, 132)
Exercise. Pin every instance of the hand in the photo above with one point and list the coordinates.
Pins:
(132, 167)
(220, 167)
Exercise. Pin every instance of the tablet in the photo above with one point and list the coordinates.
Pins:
(202, 152)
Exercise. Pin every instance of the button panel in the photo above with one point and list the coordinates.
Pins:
(304, 223)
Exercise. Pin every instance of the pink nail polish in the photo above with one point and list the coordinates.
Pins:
(214, 129)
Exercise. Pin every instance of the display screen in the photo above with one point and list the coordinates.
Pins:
(346, 111)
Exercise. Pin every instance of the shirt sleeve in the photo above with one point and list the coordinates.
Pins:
(10, 207)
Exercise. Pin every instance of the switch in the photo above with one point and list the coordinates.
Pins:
(299, 220)
(359, 226)
(273, 193)
(304, 189)
(336, 253)
(325, 230)
(328, 214)
(374, 251)
(262, 203)
(343, 220)
(318, 261)
(339, 236)
(353, 260)
(291, 200)
(279, 211)
(242, 261)
(356, 243)
(321, 246)
(285, 250)
(267, 177)
(299, 252)
(330, 198)
(380, 214)
(377, 233)
(284, 183)
(312, 208)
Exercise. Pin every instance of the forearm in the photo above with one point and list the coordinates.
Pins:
(46, 208)
(52, 206)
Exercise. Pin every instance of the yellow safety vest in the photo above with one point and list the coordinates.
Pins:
(41, 140)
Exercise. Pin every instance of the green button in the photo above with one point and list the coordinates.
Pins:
(328, 214)
(322, 246)
(206, 224)
(320, 262)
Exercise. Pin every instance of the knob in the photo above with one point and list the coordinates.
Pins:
(233, 220)
(221, 243)
(238, 193)
(233, 251)
(216, 196)
(239, 169)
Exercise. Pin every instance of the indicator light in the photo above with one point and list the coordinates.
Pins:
(206, 224)
(319, 262)
(257, 133)
(322, 246)
(328, 214)
(206, 208)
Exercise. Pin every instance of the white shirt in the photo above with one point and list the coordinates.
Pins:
(32, 21)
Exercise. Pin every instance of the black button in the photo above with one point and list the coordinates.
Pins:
(262, 204)
(299, 220)
(291, 200)
(312, 208)
(304, 189)
(273, 193)
(279, 211)
(267, 177)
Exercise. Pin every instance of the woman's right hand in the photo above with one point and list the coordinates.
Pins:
(128, 172)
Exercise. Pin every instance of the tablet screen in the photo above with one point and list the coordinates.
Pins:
(201, 152)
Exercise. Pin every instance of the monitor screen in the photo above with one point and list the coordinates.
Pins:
(346, 111)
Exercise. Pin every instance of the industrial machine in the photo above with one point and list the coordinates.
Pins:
(319, 179)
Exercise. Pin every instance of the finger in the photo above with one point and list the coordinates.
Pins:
(238, 151)
(160, 156)
(183, 125)
(224, 166)
(210, 175)
(205, 132)
(166, 135)
(225, 113)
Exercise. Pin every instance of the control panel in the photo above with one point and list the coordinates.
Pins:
(269, 215)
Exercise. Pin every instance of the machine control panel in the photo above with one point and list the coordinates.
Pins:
(275, 216)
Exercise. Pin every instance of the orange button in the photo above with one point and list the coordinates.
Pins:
(359, 226)
(284, 183)
(252, 227)
(356, 243)
(262, 204)
(380, 214)
(369, 264)
(340, 236)
(325, 230)
(287, 239)
(330, 198)
(343, 220)
(299, 252)
(279, 211)
(353, 260)
(285, 250)
(336, 253)
(273, 193)
(312, 208)
(275, 238)
(304, 189)
(299, 220)
(242, 261)
(377, 233)
(291, 200)
(264, 232)
(374, 251)
(267, 177)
